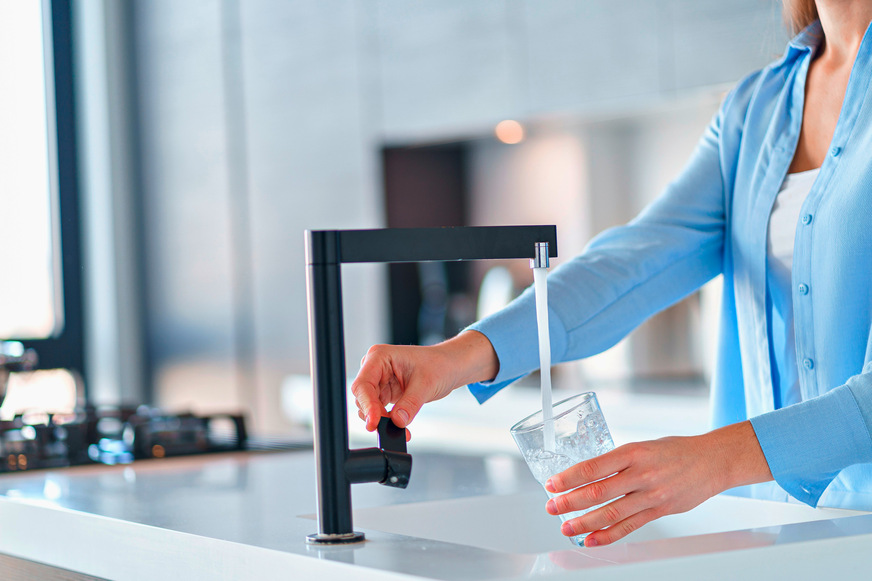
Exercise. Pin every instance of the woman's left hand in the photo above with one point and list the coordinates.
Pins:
(644, 481)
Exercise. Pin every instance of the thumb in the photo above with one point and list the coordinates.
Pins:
(406, 408)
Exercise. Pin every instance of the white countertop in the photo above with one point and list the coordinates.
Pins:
(245, 516)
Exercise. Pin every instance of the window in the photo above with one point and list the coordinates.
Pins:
(40, 273)
(29, 296)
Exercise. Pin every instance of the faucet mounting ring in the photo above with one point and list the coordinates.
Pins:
(335, 539)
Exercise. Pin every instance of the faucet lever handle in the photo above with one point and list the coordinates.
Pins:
(398, 462)
(390, 436)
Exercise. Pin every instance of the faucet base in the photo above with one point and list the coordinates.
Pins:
(335, 539)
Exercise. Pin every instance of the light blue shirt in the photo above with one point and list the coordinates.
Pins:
(712, 219)
(779, 280)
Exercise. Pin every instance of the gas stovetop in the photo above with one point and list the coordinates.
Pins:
(113, 436)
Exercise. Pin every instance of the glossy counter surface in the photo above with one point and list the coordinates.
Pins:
(246, 515)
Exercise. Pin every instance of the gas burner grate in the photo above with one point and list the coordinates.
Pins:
(114, 436)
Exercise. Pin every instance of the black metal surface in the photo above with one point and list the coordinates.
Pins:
(337, 467)
(389, 464)
(327, 352)
(391, 436)
(435, 244)
(366, 465)
(398, 463)
(399, 469)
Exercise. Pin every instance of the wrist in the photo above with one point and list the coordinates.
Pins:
(738, 457)
(472, 358)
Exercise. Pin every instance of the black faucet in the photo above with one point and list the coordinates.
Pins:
(326, 250)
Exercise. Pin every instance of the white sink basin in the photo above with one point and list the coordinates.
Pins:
(519, 524)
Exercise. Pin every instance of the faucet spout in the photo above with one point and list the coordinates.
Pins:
(540, 256)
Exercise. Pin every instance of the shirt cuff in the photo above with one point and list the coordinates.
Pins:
(514, 334)
(861, 387)
(806, 445)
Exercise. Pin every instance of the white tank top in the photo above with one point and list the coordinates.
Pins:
(779, 247)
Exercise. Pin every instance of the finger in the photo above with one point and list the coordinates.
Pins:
(406, 408)
(366, 396)
(589, 471)
(608, 515)
(408, 436)
(592, 494)
(366, 389)
(621, 529)
(360, 415)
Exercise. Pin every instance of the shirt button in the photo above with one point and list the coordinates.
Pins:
(803, 289)
(836, 151)
(806, 219)
(808, 363)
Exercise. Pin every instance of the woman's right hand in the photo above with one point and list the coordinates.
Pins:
(410, 376)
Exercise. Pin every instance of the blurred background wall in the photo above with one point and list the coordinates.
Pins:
(219, 130)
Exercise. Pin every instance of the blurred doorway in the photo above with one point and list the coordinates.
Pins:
(426, 187)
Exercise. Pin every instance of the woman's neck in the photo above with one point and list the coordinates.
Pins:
(844, 23)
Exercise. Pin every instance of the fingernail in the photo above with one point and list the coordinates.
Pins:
(590, 542)
(549, 485)
(551, 507)
(566, 529)
(404, 416)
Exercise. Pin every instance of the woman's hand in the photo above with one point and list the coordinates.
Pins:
(647, 480)
(410, 376)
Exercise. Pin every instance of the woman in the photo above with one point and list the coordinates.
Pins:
(778, 198)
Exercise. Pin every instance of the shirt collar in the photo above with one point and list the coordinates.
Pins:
(809, 39)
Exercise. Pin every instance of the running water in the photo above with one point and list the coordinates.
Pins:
(541, 290)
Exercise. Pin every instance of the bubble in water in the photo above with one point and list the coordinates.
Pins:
(544, 464)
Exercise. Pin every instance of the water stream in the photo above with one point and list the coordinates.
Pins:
(541, 291)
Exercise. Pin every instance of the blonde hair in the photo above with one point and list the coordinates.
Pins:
(799, 13)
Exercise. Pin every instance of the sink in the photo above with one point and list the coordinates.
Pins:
(518, 523)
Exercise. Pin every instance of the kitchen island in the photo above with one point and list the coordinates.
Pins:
(246, 515)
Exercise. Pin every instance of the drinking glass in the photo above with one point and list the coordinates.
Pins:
(580, 433)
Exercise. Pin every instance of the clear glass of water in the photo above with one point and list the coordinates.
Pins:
(580, 433)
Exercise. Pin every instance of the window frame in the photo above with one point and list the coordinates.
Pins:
(66, 348)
